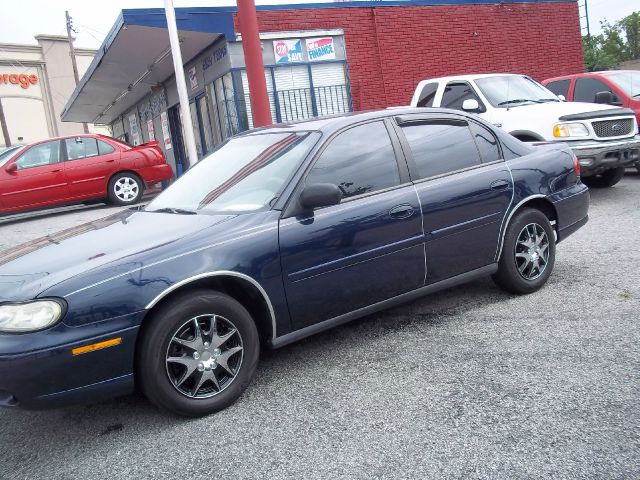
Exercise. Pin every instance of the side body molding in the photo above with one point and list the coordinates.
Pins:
(221, 273)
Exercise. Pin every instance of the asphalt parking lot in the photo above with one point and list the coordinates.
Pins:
(468, 383)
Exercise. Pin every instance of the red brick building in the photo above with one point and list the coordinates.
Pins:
(391, 47)
(319, 59)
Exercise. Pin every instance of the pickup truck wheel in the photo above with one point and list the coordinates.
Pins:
(528, 253)
(197, 354)
(606, 179)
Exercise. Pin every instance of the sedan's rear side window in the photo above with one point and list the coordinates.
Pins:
(441, 146)
(81, 147)
(358, 161)
(104, 148)
(487, 143)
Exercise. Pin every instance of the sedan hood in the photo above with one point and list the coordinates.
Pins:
(117, 241)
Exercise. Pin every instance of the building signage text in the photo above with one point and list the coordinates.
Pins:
(215, 56)
(287, 51)
(320, 49)
(25, 81)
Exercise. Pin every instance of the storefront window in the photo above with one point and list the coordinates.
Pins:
(206, 123)
(196, 128)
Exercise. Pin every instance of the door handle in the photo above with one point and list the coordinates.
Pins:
(55, 171)
(400, 212)
(500, 185)
(109, 161)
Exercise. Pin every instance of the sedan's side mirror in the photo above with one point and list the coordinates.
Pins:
(562, 98)
(12, 167)
(320, 195)
(470, 105)
(607, 98)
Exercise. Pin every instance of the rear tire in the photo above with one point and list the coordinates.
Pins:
(606, 179)
(193, 375)
(125, 188)
(528, 253)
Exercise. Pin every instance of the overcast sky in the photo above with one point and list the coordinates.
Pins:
(92, 19)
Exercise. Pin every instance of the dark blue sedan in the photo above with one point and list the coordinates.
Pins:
(279, 234)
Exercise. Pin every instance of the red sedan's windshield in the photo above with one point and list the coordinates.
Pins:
(245, 174)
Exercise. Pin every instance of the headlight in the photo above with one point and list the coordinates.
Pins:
(28, 317)
(562, 130)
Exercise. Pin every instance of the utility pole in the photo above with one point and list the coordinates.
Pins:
(72, 54)
(586, 16)
(5, 130)
(252, 48)
(181, 83)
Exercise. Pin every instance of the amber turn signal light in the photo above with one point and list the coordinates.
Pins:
(97, 346)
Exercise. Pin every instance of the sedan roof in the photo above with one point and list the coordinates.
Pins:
(329, 124)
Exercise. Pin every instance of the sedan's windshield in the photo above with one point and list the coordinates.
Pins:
(244, 175)
(511, 90)
(627, 81)
(7, 153)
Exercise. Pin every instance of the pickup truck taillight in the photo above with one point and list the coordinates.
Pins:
(576, 164)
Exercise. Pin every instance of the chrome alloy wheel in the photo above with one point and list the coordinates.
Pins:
(126, 189)
(532, 251)
(204, 356)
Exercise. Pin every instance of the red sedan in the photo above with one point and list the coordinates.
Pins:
(78, 168)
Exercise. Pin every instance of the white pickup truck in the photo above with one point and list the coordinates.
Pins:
(604, 139)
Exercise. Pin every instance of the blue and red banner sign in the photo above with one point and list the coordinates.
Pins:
(320, 49)
(287, 51)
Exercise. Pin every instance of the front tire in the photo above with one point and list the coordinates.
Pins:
(528, 253)
(197, 353)
(125, 189)
(606, 179)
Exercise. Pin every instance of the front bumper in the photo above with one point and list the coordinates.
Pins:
(39, 370)
(597, 156)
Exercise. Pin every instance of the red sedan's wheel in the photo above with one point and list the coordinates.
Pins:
(125, 189)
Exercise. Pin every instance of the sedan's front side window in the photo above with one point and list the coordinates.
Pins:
(360, 160)
(42, 154)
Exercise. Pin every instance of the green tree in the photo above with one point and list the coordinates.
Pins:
(618, 42)
(630, 25)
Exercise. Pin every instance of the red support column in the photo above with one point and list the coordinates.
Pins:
(258, 95)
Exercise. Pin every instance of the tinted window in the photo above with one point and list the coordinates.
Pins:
(360, 160)
(586, 89)
(427, 95)
(456, 93)
(560, 87)
(486, 142)
(42, 154)
(440, 147)
(81, 147)
(104, 148)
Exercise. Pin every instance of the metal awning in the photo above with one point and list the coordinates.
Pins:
(136, 56)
